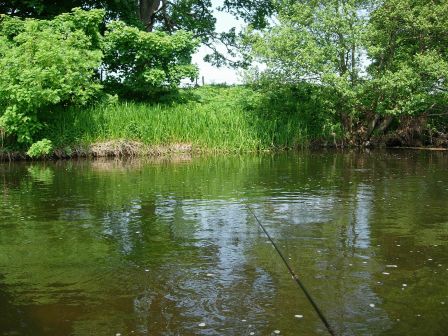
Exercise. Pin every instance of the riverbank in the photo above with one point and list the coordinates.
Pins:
(210, 119)
(207, 119)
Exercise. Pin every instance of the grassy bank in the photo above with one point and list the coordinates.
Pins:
(208, 119)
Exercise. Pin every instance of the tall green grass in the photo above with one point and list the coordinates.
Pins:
(211, 119)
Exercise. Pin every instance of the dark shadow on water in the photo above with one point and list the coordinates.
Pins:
(14, 320)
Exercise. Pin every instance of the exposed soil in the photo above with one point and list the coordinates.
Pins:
(113, 148)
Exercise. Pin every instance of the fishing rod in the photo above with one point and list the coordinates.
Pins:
(294, 275)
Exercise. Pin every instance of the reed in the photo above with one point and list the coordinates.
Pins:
(221, 119)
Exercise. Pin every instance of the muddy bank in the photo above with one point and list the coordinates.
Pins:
(113, 148)
(130, 149)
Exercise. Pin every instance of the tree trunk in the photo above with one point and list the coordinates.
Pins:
(353, 74)
(147, 9)
(385, 124)
(382, 126)
(372, 126)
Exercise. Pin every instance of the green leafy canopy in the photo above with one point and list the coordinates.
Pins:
(138, 62)
(45, 63)
(49, 63)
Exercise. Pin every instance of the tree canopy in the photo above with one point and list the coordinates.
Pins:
(408, 46)
(375, 60)
(138, 62)
(50, 63)
(45, 63)
(195, 16)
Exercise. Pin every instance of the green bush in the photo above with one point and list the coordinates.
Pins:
(46, 63)
(139, 63)
(408, 45)
(49, 65)
(41, 148)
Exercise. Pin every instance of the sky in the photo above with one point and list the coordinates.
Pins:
(214, 75)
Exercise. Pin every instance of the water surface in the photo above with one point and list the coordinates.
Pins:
(169, 248)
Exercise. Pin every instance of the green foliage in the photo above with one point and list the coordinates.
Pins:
(331, 43)
(43, 64)
(316, 42)
(307, 103)
(48, 9)
(139, 63)
(255, 12)
(210, 118)
(408, 44)
(48, 66)
(40, 148)
(194, 16)
(334, 68)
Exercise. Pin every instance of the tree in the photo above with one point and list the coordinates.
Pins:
(139, 63)
(408, 45)
(317, 42)
(49, 63)
(48, 9)
(195, 16)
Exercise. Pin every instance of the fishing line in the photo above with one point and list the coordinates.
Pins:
(294, 276)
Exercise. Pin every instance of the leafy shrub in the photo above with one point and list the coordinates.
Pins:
(40, 148)
(410, 60)
(140, 63)
(49, 65)
(46, 63)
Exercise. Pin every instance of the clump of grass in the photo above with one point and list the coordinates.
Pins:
(232, 119)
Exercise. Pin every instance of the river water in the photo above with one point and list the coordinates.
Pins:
(169, 247)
